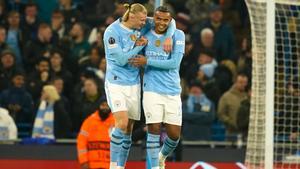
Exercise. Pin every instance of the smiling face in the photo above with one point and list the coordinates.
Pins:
(161, 21)
(138, 20)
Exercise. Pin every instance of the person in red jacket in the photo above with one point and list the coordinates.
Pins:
(93, 141)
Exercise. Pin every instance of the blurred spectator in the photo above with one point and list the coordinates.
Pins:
(58, 83)
(93, 141)
(38, 78)
(79, 45)
(2, 12)
(206, 71)
(3, 44)
(224, 75)
(86, 103)
(30, 22)
(51, 121)
(8, 128)
(205, 57)
(46, 8)
(119, 10)
(15, 36)
(244, 62)
(210, 85)
(178, 5)
(40, 47)
(198, 114)
(70, 11)
(199, 9)
(224, 41)
(183, 21)
(17, 100)
(92, 60)
(7, 68)
(237, 13)
(79, 86)
(96, 11)
(189, 60)
(287, 119)
(230, 103)
(150, 7)
(101, 69)
(59, 70)
(243, 115)
(207, 39)
(232, 67)
(96, 37)
(15, 5)
(58, 25)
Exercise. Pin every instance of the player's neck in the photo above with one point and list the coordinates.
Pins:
(127, 24)
(160, 32)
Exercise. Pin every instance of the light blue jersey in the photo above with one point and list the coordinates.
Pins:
(162, 70)
(119, 45)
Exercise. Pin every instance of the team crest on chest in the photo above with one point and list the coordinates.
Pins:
(133, 37)
(157, 43)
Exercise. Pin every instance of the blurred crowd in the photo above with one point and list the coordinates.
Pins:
(52, 59)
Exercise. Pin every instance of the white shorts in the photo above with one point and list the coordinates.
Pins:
(124, 98)
(162, 108)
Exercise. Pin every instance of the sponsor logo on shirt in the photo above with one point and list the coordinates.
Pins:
(157, 55)
(179, 42)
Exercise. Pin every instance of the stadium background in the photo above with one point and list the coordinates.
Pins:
(76, 35)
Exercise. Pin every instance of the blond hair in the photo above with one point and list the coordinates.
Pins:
(51, 91)
(133, 8)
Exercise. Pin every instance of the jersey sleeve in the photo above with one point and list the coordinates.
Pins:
(148, 26)
(114, 48)
(179, 42)
(176, 54)
(171, 28)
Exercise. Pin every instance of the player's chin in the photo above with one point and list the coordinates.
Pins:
(140, 27)
(162, 29)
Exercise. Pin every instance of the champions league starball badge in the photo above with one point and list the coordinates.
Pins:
(157, 43)
(111, 40)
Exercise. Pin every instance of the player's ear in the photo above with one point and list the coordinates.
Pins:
(131, 16)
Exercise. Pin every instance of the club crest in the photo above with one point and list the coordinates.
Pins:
(157, 43)
(133, 37)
